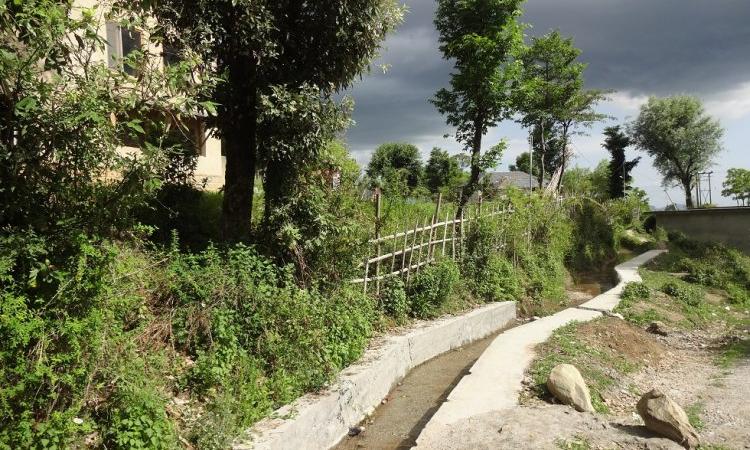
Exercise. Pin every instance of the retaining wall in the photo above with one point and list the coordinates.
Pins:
(319, 421)
(728, 225)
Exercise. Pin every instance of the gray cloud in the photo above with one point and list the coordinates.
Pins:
(637, 46)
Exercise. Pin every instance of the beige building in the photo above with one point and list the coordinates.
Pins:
(120, 42)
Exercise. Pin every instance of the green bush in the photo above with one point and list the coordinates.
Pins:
(393, 300)
(594, 235)
(431, 288)
(635, 291)
(497, 281)
(685, 293)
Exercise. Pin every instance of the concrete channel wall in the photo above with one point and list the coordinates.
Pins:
(728, 225)
(319, 421)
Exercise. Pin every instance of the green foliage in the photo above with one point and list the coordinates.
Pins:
(492, 277)
(441, 171)
(594, 235)
(689, 295)
(63, 121)
(551, 98)
(481, 38)
(587, 183)
(431, 288)
(393, 300)
(619, 168)
(680, 137)
(635, 291)
(396, 168)
(737, 186)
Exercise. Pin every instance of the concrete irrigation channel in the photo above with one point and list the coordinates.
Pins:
(410, 388)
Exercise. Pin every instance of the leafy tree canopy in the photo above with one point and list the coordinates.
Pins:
(481, 38)
(280, 62)
(441, 170)
(616, 141)
(397, 165)
(680, 137)
(737, 186)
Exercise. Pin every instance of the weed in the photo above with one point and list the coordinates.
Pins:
(577, 443)
(694, 413)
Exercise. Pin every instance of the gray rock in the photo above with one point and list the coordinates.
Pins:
(665, 417)
(567, 385)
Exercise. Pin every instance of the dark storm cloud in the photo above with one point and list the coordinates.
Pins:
(636, 46)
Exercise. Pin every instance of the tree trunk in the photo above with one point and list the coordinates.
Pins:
(542, 172)
(471, 186)
(688, 193)
(240, 142)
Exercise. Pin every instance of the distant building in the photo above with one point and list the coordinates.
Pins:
(517, 179)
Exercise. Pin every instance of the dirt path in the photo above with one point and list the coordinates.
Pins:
(687, 371)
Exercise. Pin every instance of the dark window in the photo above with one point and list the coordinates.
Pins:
(131, 42)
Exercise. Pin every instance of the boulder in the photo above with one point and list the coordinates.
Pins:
(567, 385)
(665, 417)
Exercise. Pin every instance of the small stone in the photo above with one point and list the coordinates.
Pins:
(727, 308)
(354, 431)
(535, 318)
(384, 401)
(78, 421)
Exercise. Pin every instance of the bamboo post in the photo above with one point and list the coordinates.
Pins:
(393, 252)
(479, 206)
(453, 239)
(445, 233)
(430, 254)
(435, 219)
(403, 250)
(377, 239)
(461, 231)
(411, 251)
(367, 269)
(421, 243)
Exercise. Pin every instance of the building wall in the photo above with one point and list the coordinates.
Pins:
(211, 164)
(728, 225)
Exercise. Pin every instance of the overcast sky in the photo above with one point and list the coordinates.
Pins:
(636, 47)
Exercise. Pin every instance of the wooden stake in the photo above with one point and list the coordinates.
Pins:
(445, 233)
(411, 251)
(421, 243)
(403, 251)
(453, 239)
(377, 239)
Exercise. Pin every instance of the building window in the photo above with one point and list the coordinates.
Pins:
(121, 42)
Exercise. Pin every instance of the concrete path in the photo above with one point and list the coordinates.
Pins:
(494, 381)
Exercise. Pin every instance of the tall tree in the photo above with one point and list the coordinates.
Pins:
(481, 37)
(737, 186)
(616, 142)
(441, 169)
(680, 137)
(552, 98)
(280, 61)
(396, 163)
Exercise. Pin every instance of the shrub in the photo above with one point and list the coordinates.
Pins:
(635, 291)
(393, 300)
(497, 281)
(431, 288)
(689, 295)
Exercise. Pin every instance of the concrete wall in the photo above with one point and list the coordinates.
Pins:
(728, 225)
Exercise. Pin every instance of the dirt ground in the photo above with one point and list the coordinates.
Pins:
(683, 365)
